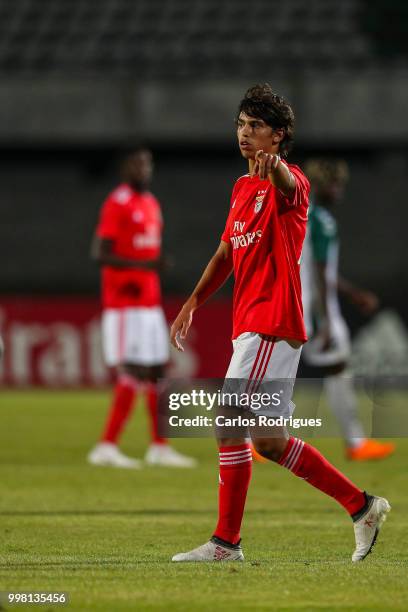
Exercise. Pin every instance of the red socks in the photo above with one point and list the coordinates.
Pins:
(235, 475)
(151, 399)
(306, 462)
(301, 459)
(123, 397)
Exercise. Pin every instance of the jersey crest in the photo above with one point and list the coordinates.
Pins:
(259, 200)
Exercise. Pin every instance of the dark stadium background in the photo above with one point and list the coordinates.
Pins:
(81, 79)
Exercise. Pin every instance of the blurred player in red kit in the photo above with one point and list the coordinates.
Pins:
(127, 246)
(261, 245)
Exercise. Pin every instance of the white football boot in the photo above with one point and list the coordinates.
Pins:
(108, 454)
(366, 527)
(211, 551)
(166, 455)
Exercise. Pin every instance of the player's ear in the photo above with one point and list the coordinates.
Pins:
(278, 135)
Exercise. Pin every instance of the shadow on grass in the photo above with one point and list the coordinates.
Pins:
(141, 512)
(260, 562)
(147, 512)
(75, 564)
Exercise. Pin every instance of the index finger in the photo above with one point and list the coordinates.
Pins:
(174, 333)
(177, 344)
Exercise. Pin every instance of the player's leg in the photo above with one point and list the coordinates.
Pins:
(342, 399)
(235, 469)
(368, 512)
(151, 376)
(339, 387)
(279, 361)
(341, 395)
(308, 463)
(342, 402)
(235, 464)
(160, 452)
(116, 329)
(153, 354)
(124, 395)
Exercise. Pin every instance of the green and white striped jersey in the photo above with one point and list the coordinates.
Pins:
(321, 246)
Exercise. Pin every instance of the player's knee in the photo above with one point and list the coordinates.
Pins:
(270, 448)
(230, 441)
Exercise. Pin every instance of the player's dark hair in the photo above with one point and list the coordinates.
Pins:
(262, 103)
(132, 148)
(323, 172)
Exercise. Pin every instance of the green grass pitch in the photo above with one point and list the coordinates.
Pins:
(106, 536)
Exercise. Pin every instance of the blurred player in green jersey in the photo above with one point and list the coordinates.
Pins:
(329, 347)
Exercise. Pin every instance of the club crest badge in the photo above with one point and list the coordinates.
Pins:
(258, 202)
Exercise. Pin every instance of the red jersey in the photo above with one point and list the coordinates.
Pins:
(133, 221)
(266, 231)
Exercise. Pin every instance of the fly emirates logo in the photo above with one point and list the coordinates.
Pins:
(242, 239)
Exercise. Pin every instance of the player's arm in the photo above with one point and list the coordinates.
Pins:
(268, 165)
(214, 276)
(102, 252)
(366, 301)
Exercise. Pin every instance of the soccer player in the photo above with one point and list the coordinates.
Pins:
(127, 245)
(262, 244)
(329, 349)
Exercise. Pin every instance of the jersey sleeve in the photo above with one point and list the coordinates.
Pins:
(109, 219)
(323, 231)
(301, 195)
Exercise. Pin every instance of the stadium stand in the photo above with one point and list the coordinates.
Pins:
(192, 38)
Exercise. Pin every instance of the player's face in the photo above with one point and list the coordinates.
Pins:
(254, 134)
(139, 169)
(331, 193)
